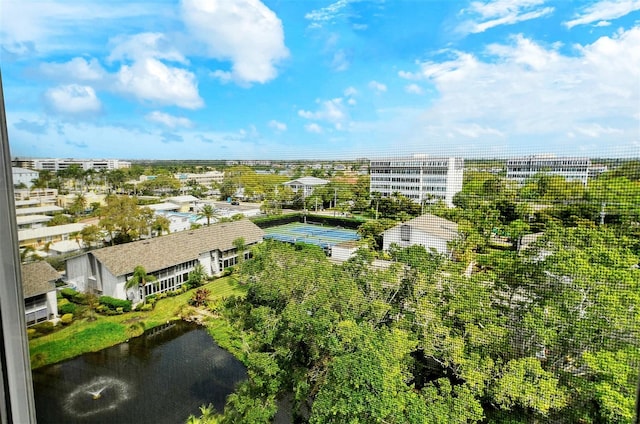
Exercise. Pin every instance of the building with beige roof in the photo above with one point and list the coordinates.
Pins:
(39, 291)
(427, 230)
(169, 258)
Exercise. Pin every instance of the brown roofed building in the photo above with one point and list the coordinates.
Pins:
(39, 291)
(169, 258)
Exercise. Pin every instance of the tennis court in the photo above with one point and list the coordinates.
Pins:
(322, 236)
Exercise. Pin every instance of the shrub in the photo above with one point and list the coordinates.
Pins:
(66, 319)
(31, 333)
(67, 308)
(101, 309)
(80, 298)
(68, 293)
(113, 303)
(119, 310)
(44, 327)
(146, 307)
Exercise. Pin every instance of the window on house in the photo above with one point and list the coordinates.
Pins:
(405, 233)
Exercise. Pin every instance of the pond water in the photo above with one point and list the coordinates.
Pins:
(160, 377)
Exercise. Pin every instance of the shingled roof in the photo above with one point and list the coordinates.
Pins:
(176, 248)
(434, 225)
(38, 278)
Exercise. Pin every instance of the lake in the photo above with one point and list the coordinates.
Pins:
(160, 377)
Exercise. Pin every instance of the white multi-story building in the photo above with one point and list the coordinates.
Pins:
(421, 178)
(571, 168)
(205, 179)
(59, 164)
(24, 176)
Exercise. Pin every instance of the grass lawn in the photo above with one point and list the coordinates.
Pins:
(91, 336)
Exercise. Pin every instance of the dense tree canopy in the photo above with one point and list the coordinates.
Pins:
(549, 334)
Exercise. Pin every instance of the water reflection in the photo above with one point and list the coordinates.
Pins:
(160, 377)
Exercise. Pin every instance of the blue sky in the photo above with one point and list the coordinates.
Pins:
(246, 79)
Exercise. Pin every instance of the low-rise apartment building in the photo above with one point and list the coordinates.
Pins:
(169, 258)
(39, 291)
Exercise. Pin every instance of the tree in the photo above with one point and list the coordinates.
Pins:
(208, 212)
(160, 224)
(139, 279)
(90, 235)
(240, 246)
(79, 205)
(197, 276)
(123, 219)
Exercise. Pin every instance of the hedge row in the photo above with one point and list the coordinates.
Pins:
(272, 221)
(113, 303)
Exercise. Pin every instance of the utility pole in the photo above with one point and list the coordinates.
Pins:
(602, 213)
(335, 200)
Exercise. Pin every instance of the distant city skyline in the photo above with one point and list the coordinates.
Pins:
(321, 80)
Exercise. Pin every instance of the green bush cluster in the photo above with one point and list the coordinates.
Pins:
(46, 327)
(66, 319)
(115, 304)
(74, 296)
(68, 293)
(66, 307)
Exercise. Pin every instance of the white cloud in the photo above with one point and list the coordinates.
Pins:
(475, 130)
(168, 120)
(523, 92)
(73, 99)
(377, 86)
(597, 130)
(603, 11)
(313, 128)
(151, 80)
(350, 91)
(144, 45)
(77, 69)
(413, 89)
(341, 61)
(245, 32)
(326, 14)
(49, 25)
(330, 110)
(489, 14)
(277, 126)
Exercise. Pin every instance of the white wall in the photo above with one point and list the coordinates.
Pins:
(52, 303)
(419, 237)
(342, 253)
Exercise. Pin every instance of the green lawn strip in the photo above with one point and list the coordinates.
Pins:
(227, 337)
(83, 336)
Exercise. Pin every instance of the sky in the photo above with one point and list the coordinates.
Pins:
(337, 79)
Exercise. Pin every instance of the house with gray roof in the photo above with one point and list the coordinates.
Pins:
(427, 230)
(169, 258)
(39, 291)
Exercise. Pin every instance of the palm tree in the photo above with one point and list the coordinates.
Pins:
(208, 212)
(139, 278)
(79, 205)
